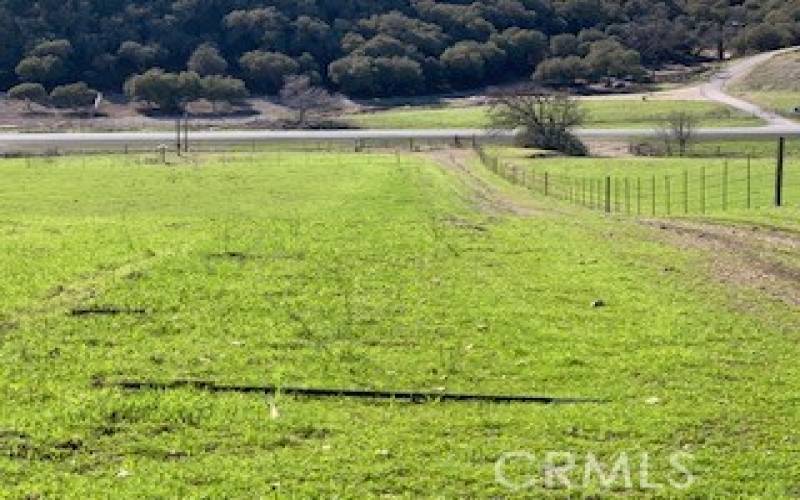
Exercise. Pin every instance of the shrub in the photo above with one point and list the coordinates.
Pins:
(73, 96)
(28, 93)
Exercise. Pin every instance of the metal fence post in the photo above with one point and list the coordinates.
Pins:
(703, 190)
(685, 191)
(608, 194)
(627, 196)
(749, 184)
(725, 186)
(779, 172)
(653, 193)
(667, 193)
(583, 191)
(638, 196)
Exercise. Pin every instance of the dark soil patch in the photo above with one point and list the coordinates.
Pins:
(105, 311)
(239, 256)
(742, 257)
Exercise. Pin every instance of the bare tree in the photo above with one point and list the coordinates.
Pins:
(678, 128)
(305, 99)
(542, 120)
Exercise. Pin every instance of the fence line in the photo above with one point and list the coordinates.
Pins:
(687, 192)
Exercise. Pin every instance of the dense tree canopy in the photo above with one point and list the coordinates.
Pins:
(374, 47)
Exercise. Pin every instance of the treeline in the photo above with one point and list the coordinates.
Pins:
(369, 47)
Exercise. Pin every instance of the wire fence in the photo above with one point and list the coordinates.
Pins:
(194, 144)
(706, 189)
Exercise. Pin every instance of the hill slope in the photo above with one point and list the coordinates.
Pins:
(367, 47)
(774, 85)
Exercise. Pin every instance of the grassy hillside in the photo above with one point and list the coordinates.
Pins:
(362, 47)
(366, 271)
(599, 114)
(774, 84)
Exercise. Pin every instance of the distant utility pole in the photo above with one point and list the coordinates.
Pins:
(178, 135)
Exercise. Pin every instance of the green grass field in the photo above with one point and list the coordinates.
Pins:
(754, 148)
(783, 102)
(657, 186)
(599, 114)
(366, 271)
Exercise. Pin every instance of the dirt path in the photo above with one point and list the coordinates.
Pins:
(756, 257)
(749, 256)
(485, 197)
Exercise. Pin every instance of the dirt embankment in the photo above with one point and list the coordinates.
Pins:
(751, 256)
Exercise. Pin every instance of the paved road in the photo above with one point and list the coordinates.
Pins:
(715, 89)
(151, 140)
(123, 141)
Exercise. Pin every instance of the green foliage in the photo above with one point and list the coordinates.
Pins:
(267, 71)
(28, 92)
(370, 76)
(76, 95)
(223, 89)
(425, 43)
(139, 56)
(206, 61)
(608, 58)
(562, 71)
(58, 48)
(541, 121)
(762, 37)
(564, 45)
(469, 63)
(44, 69)
(172, 91)
(167, 91)
(524, 49)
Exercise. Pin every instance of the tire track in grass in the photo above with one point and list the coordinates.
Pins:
(482, 196)
(67, 299)
(741, 257)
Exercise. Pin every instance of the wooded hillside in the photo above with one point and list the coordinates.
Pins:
(375, 47)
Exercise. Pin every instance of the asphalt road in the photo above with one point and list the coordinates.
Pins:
(122, 141)
(715, 89)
